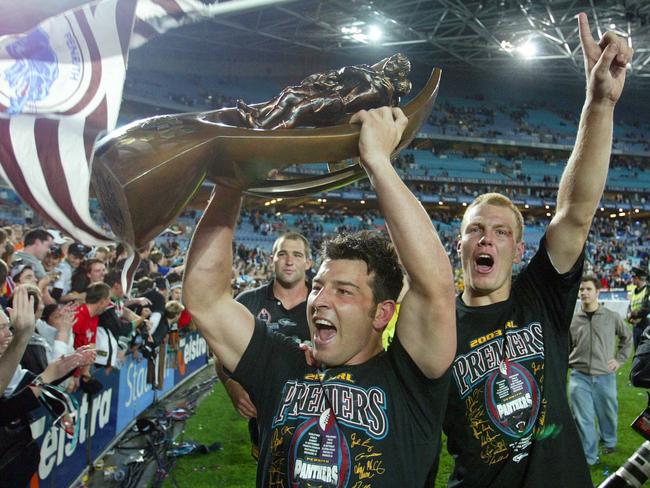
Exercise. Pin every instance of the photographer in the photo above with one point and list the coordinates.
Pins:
(640, 372)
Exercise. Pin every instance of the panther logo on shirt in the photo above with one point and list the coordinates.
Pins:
(264, 316)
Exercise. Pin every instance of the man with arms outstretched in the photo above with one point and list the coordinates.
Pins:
(508, 419)
(366, 413)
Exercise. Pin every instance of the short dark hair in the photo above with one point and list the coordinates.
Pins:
(145, 284)
(112, 277)
(155, 256)
(97, 292)
(592, 278)
(377, 252)
(89, 263)
(38, 234)
(292, 236)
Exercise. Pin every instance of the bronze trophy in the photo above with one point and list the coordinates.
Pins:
(145, 173)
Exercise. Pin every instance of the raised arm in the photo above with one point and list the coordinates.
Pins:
(225, 324)
(426, 326)
(23, 321)
(583, 181)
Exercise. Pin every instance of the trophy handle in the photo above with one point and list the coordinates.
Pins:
(346, 138)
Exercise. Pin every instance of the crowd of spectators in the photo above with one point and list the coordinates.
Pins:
(79, 321)
(477, 117)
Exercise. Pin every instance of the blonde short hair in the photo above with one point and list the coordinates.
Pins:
(173, 308)
(498, 200)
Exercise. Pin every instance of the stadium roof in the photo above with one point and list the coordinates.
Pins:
(538, 39)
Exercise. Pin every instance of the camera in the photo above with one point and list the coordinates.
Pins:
(141, 341)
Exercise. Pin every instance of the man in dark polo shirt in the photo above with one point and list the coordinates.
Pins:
(281, 305)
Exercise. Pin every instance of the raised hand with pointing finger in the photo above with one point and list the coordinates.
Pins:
(605, 62)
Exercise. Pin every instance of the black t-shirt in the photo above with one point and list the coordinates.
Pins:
(508, 418)
(265, 307)
(374, 424)
(158, 305)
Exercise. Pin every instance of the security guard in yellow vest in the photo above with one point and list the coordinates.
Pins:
(639, 309)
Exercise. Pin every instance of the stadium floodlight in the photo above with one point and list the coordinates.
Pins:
(374, 33)
(350, 29)
(528, 49)
(507, 46)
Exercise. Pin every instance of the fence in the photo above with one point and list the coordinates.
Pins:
(104, 417)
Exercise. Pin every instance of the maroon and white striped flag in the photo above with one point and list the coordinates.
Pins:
(61, 87)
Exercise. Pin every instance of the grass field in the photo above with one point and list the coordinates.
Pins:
(233, 467)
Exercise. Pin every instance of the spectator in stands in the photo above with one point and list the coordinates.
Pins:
(115, 322)
(176, 294)
(97, 299)
(594, 359)
(19, 454)
(93, 271)
(352, 300)
(87, 316)
(73, 259)
(156, 303)
(159, 262)
(37, 244)
(52, 259)
(173, 312)
(56, 326)
(8, 253)
(39, 351)
(511, 364)
(639, 308)
(23, 323)
(23, 274)
(102, 253)
(145, 268)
